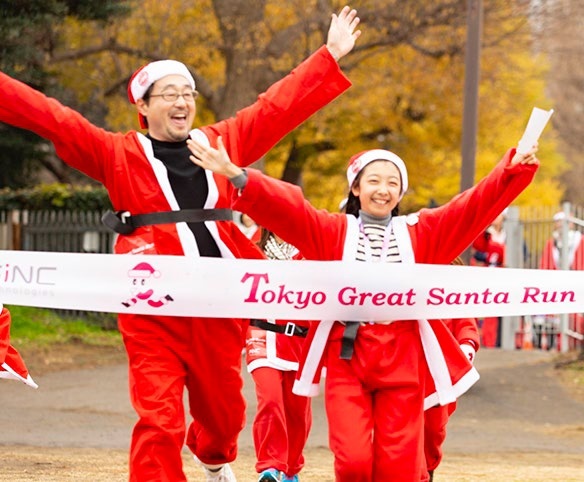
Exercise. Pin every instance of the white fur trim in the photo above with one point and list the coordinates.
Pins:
(12, 375)
(212, 198)
(304, 384)
(412, 219)
(306, 389)
(459, 388)
(186, 236)
(436, 363)
(266, 363)
(154, 71)
(351, 239)
(360, 162)
(404, 241)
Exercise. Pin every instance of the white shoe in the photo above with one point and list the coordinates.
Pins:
(224, 474)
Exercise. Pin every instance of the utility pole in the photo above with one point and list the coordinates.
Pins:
(474, 27)
(474, 33)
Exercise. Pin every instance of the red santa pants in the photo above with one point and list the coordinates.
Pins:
(435, 420)
(374, 405)
(282, 422)
(167, 355)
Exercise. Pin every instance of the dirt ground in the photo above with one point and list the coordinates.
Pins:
(521, 422)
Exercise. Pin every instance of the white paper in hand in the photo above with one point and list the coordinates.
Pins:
(537, 122)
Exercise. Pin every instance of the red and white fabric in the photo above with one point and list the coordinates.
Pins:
(167, 354)
(434, 236)
(12, 365)
(466, 333)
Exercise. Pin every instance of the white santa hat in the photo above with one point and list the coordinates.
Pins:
(146, 75)
(360, 160)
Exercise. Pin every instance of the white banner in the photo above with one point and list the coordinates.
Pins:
(308, 290)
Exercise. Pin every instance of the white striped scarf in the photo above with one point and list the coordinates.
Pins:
(373, 235)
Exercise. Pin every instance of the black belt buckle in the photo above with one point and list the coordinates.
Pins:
(290, 329)
(120, 222)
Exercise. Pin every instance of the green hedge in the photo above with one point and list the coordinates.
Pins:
(56, 196)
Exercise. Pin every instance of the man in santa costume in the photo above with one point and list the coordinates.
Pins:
(152, 184)
(12, 366)
(380, 376)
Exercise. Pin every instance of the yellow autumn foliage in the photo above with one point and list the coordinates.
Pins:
(401, 99)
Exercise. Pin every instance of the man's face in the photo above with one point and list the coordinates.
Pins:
(169, 121)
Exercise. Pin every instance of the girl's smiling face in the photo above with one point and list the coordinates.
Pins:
(378, 188)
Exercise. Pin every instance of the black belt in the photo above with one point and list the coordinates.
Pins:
(123, 222)
(289, 329)
(348, 342)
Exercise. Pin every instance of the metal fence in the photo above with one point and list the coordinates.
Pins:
(528, 230)
(57, 231)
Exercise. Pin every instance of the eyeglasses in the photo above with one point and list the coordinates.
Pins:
(173, 96)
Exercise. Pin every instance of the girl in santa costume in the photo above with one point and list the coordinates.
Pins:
(168, 206)
(283, 419)
(12, 366)
(380, 376)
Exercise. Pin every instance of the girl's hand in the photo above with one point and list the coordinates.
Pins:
(216, 160)
(527, 158)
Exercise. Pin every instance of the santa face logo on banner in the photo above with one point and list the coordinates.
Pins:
(141, 277)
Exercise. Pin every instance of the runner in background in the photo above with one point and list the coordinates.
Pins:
(466, 332)
(547, 327)
(283, 419)
(550, 257)
(489, 251)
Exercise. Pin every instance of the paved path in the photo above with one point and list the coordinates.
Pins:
(517, 405)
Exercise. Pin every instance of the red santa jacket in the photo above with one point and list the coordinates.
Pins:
(434, 236)
(488, 252)
(465, 330)
(11, 364)
(137, 182)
